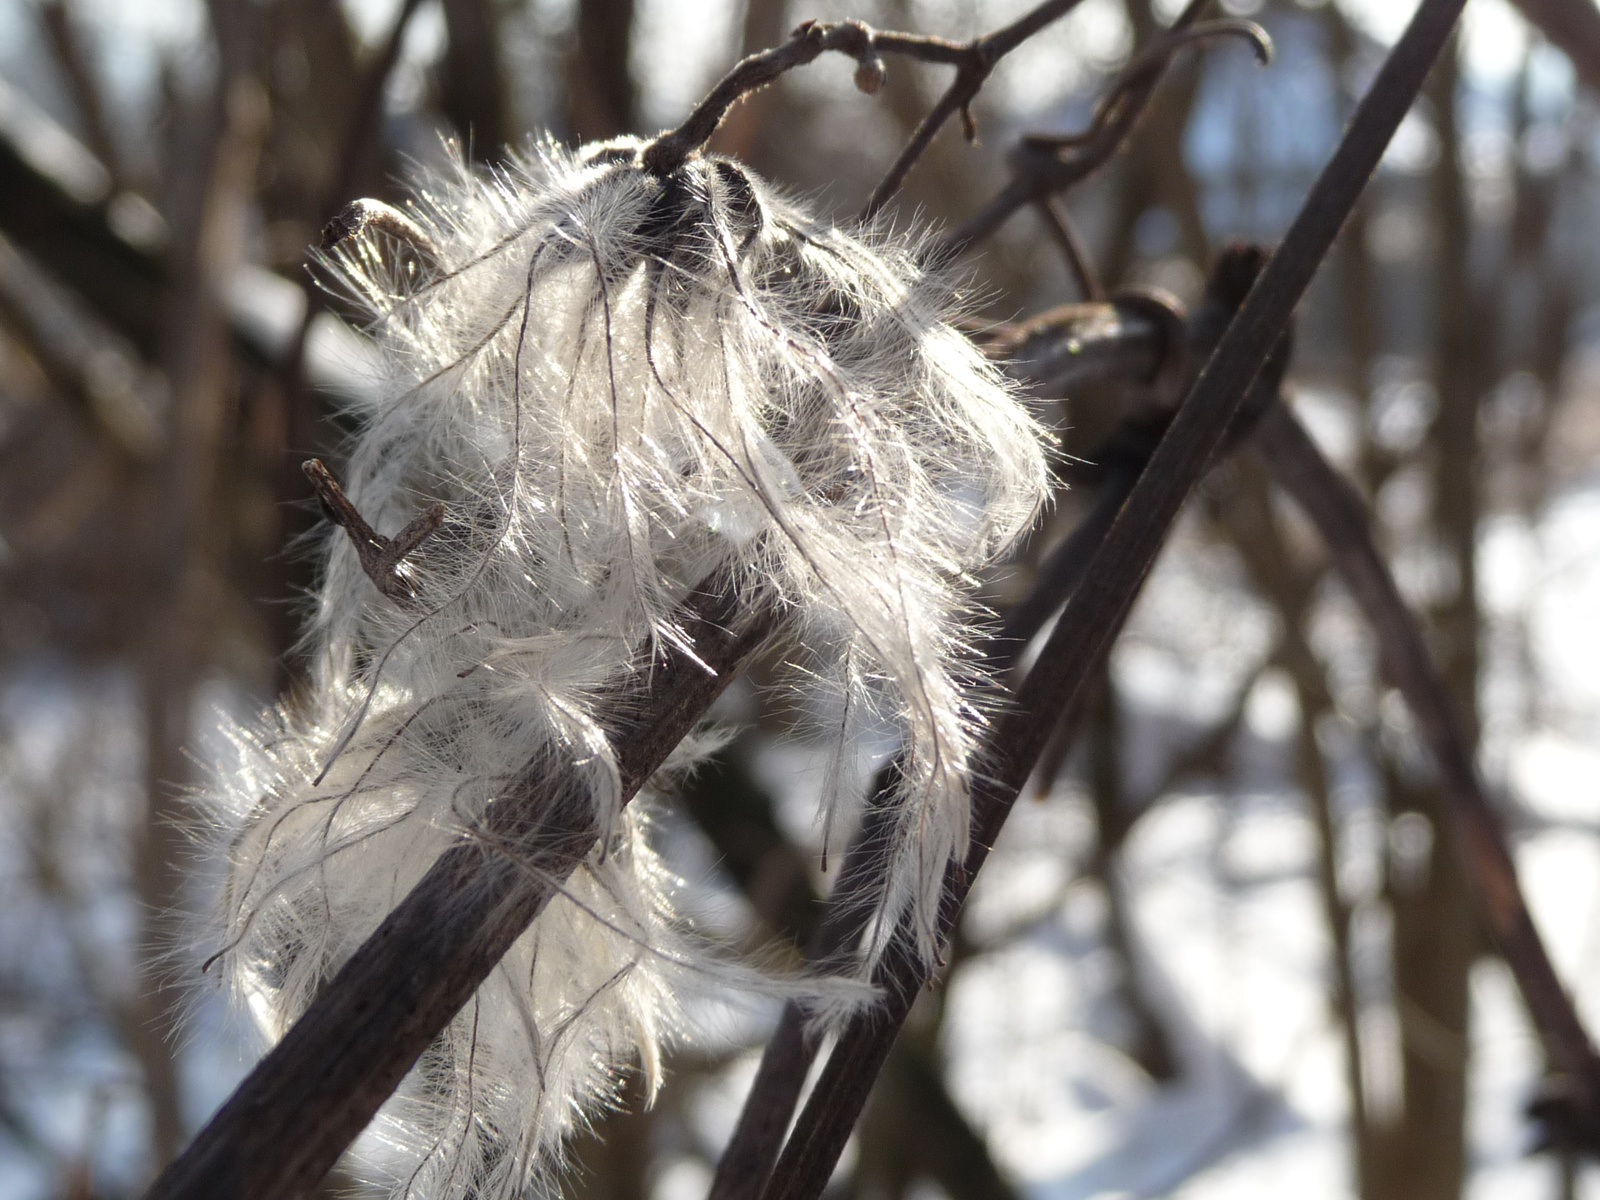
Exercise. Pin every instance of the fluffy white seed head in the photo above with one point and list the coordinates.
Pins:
(616, 384)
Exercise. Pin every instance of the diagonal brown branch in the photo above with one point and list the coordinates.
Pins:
(288, 1122)
(1340, 516)
(1095, 613)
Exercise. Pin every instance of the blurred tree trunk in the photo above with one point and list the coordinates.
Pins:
(472, 86)
(602, 100)
(185, 581)
(1245, 510)
(1147, 1043)
(1436, 939)
(1152, 172)
(64, 30)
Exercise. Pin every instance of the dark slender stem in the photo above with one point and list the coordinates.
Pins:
(757, 1138)
(1044, 165)
(753, 1148)
(1136, 338)
(1058, 223)
(806, 44)
(972, 71)
(288, 1122)
(1097, 609)
(1340, 517)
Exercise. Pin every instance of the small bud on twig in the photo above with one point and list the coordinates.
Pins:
(870, 73)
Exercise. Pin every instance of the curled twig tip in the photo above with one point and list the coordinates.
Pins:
(358, 216)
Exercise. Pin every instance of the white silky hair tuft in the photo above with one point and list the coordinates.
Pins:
(617, 385)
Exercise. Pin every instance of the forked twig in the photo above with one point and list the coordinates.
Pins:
(381, 557)
(976, 61)
(1095, 614)
(809, 41)
(1044, 164)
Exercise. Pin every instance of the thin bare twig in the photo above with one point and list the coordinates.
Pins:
(290, 1119)
(1098, 607)
(1058, 223)
(809, 41)
(973, 61)
(1044, 164)
(380, 557)
(973, 67)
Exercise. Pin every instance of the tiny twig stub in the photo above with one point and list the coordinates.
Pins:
(381, 558)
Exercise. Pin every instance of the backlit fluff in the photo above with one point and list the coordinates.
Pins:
(617, 385)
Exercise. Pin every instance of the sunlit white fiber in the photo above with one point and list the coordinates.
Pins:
(618, 385)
